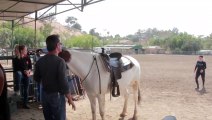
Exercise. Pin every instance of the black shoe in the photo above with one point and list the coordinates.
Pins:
(26, 107)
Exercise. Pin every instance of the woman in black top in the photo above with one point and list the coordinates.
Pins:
(22, 68)
(200, 70)
(17, 73)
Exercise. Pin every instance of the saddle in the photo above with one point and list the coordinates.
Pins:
(115, 63)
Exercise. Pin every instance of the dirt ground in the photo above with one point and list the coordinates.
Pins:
(168, 88)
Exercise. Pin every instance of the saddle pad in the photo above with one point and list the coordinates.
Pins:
(125, 61)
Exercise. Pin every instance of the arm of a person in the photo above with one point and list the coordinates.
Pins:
(30, 63)
(14, 63)
(195, 68)
(63, 82)
(36, 75)
(1, 81)
(205, 66)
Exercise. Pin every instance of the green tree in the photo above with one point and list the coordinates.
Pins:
(82, 41)
(77, 26)
(46, 29)
(117, 38)
(72, 23)
(26, 36)
(5, 37)
(48, 17)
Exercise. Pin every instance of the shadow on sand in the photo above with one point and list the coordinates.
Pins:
(202, 91)
(122, 118)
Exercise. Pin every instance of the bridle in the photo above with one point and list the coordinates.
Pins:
(94, 60)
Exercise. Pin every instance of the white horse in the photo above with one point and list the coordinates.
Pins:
(86, 67)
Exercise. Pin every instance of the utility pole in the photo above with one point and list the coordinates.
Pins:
(92, 33)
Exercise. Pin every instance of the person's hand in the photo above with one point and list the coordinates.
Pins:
(27, 73)
(201, 71)
(70, 101)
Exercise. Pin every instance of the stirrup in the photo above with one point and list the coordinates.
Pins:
(114, 89)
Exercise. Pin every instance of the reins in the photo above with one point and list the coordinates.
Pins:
(94, 59)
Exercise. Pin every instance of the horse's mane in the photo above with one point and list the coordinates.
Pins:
(83, 52)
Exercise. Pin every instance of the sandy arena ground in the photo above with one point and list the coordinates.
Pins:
(168, 88)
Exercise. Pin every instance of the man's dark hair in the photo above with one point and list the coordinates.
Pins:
(201, 56)
(51, 42)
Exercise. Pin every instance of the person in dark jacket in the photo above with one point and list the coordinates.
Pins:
(4, 105)
(200, 71)
(17, 73)
(50, 70)
(22, 67)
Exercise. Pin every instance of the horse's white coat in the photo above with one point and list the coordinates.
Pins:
(80, 64)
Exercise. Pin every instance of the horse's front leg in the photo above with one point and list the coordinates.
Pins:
(124, 112)
(135, 95)
(93, 106)
(101, 100)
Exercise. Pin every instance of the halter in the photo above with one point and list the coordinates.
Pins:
(94, 59)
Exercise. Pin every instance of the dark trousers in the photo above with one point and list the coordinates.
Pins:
(200, 74)
(4, 105)
(53, 106)
(25, 82)
(39, 92)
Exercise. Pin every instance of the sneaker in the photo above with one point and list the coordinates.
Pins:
(203, 90)
(197, 89)
(17, 93)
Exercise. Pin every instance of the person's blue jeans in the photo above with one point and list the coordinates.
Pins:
(39, 92)
(22, 85)
(17, 81)
(53, 106)
(71, 85)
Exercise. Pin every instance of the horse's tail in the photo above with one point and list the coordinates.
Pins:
(139, 95)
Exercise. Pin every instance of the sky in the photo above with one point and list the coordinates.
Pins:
(125, 17)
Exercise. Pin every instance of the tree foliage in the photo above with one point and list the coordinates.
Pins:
(82, 41)
(5, 37)
(46, 29)
(26, 36)
(48, 17)
(72, 23)
(178, 42)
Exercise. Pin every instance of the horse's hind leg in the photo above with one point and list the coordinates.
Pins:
(124, 112)
(101, 100)
(135, 95)
(93, 106)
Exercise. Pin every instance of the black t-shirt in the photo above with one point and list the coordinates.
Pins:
(50, 70)
(200, 65)
(21, 64)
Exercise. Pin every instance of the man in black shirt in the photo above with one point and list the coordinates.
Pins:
(200, 70)
(50, 71)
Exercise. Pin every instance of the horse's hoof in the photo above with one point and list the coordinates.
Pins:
(123, 115)
(135, 118)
